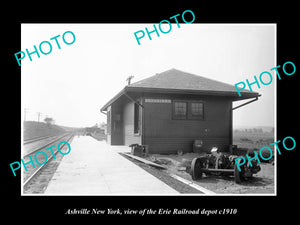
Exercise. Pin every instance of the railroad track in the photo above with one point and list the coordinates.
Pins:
(28, 141)
(32, 172)
(41, 147)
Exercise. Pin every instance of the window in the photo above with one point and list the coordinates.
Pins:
(196, 110)
(190, 110)
(179, 110)
(137, 122)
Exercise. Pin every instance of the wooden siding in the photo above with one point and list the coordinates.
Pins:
(116, 125)
(166, 135)
(170, 145)
(108, 136)
(128, 118)
(108, 139)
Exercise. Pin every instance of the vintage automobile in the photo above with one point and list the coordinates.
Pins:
(223, 164)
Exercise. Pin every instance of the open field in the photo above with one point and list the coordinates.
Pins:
(252, 141)
(33, 129)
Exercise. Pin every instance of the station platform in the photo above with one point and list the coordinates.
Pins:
(95, 168)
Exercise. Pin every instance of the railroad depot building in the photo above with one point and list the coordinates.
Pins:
(167, 112)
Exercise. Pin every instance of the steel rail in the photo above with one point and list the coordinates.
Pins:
(49, 143)
(39, 168)
(28, 141)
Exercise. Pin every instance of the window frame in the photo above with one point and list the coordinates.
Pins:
(179, 117)
(189, 115)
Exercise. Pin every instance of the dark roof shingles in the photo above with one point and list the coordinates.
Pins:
(176, 79)
(179, 81)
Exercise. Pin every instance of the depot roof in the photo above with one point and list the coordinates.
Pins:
(177, 81)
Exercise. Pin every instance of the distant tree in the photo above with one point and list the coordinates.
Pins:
(49, 121)
(102, 125)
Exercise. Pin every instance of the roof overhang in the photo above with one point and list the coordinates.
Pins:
(233, 95)
(104, 108)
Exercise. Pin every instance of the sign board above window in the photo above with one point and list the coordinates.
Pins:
(153, 100)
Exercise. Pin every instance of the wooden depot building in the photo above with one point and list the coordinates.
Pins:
(167, 112)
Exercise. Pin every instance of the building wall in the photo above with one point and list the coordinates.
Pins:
(108, 122)
(166, 135)
(108, 139)
(128, 118)
(115, 125)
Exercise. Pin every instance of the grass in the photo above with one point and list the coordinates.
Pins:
(252, 141)
(32, 129)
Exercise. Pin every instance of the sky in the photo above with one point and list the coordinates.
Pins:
(72, 83)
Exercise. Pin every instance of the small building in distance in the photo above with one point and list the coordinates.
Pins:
(94, 129)
(167, 112)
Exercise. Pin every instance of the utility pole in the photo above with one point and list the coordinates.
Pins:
(129, 79)
(39, 114)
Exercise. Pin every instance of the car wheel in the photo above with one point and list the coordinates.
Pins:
(238, 175)
(196, 172)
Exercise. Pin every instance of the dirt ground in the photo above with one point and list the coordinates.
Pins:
(164, 176)
(261, 183)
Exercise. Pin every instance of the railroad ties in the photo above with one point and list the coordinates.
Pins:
(37, 177)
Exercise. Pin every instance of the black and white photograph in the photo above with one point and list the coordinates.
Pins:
(163, 117)
(139, 113)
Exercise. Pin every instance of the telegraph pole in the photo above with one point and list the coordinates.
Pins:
(39, 114)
